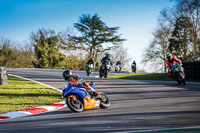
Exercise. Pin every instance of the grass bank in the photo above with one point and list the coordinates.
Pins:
(142, 76)
(21, 94)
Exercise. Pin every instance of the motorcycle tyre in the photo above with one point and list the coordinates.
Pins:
(177, 79)
(182, 78)
(71, 107)
(100, 74)
(102, 104)
(88, 73)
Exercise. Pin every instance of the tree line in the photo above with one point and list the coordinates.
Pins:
(48, 49)
(177, 32)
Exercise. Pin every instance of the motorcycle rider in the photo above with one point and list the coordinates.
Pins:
(106, 58)
(133, 66)
(90, 61)
(169, 61)
(118, 63)
(75, 80)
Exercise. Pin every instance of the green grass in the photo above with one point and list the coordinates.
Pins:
(143, 76)
(21, 94)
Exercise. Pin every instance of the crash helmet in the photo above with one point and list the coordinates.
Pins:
(66, 74)
(168, 56)
(107, 55)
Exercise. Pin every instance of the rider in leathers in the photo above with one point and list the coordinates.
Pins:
(75, 80)
(170, 60)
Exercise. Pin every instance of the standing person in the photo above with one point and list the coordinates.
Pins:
(133, 67)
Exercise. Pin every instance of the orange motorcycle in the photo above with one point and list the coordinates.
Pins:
(78, 99)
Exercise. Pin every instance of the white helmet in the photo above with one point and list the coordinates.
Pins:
(168, 56)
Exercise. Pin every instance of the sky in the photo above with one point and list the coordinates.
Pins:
(137, 19)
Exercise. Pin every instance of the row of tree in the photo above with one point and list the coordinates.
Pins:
(48, 49)
(178, 32)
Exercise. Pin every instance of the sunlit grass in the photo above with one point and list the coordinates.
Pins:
(142, 76)
(21, 94)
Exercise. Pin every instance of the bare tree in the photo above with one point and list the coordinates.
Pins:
(188, 9)
(156, 51)
(121, 54)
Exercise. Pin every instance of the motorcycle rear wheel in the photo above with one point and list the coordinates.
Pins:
(75, 106)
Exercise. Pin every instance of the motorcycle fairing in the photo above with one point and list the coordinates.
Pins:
(90, 103)
(92, 84)
(78, 91)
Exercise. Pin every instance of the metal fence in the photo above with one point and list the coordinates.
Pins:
(192, 70)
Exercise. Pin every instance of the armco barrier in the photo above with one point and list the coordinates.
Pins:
(192, 70)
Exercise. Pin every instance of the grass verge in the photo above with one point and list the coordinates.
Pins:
(143, 76)
(21, 94)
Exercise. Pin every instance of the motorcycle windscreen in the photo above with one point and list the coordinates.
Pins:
(92, 85)
(66, 90)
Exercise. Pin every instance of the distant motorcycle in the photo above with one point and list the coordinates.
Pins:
(105, 68)
(89, 69)
(178, 73)
(117, 68)
(78, 99)
(133, 66)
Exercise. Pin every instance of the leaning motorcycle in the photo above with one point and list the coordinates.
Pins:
(178, 73)
(89, 69)
(79, 99)
(105, 68)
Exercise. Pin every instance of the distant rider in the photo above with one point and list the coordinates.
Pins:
(90, 61)
(118, 63)
(106, 58)
(170, 60)
(75, 80)
(133, 66)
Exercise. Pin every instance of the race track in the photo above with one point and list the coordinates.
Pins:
(135, 105)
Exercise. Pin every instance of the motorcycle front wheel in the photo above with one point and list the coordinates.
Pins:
(100, 73)
(105, 73)
(88, 73)
(182, 78)
(104, 101)
(75, 106)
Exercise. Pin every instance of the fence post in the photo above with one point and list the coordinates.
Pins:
(3, 76)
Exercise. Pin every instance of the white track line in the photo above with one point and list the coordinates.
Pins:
(37, 82)
(49, 108)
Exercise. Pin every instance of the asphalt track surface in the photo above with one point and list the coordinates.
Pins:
(135, 105)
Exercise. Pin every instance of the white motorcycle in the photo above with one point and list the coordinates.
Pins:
(133, 66)
(117, 68)
(105, 68)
